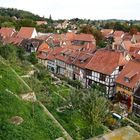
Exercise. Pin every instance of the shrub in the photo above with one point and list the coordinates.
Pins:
(32, 58)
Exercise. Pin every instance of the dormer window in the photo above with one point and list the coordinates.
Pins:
(127, 80)
(128, 77)
(82, 61)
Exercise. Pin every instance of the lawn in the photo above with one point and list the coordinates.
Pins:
(10, 80)
(36, 124)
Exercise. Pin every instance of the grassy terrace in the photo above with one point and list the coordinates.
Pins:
(36, 124)
(10, 80)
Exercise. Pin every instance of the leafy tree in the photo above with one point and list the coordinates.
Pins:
(7, 24)
(86, 29)
(98, 36)
(94, 108)
(25, 23)
(21, 53)
(8, 52)
(133, 30)
(102, 44)
(32, 58)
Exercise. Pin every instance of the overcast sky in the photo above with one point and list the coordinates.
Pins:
(89, 9)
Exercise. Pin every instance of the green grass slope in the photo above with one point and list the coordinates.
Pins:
(36, 125)
(10, 80)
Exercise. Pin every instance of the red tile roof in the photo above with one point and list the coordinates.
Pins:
(132, 66)
(70, 59)
(105, 61)
(57, 37)
(63, 56)
(12, 40)
(42, 56)
(118, 33)
(7, 32)
(53, 53)
(127, 45)
(70, 36)
(74, 47)
(83, 59)
(84, 37)
(127, 36)
(106, 32)
(118, 40)
(25, 32)
(43, 47)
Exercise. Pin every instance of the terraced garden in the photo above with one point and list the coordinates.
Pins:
(35, 124)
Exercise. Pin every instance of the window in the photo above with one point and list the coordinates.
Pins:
(89, 72)
(127, 80)
(102, 77)
(120, 68)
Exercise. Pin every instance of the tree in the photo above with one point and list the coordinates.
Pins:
(8, 52)
(32, 58)
(133, 30)
(98, 36)
(7, 24)
(93, 108)
(21, 53)
(50, 20)
(25, 23)
(87, 29)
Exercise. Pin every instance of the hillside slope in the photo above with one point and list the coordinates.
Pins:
(20, 14)
(36, 124)
(9, 80)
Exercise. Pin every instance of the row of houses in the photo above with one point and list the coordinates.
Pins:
(116, 68)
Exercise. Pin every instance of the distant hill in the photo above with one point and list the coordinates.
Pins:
(19, 14)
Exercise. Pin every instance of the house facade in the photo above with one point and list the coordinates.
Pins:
(126, 85)
(103, 69)
(51, 59)
(136, 102)
(79, 64)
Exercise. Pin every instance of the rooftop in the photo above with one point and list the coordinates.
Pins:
(105, 61)
(130, 71)
(25, 32)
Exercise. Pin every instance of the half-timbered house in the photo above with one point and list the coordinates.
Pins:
(104, 68)
(79, 64)
(127, 83)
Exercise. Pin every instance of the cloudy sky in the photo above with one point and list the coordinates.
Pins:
(89, 9)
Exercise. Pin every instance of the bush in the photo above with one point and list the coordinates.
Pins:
(32, 58)
(75, 83)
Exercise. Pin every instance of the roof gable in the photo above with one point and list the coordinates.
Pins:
(26, 32)
(104, 61)
(7, 32)
(131, 71)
